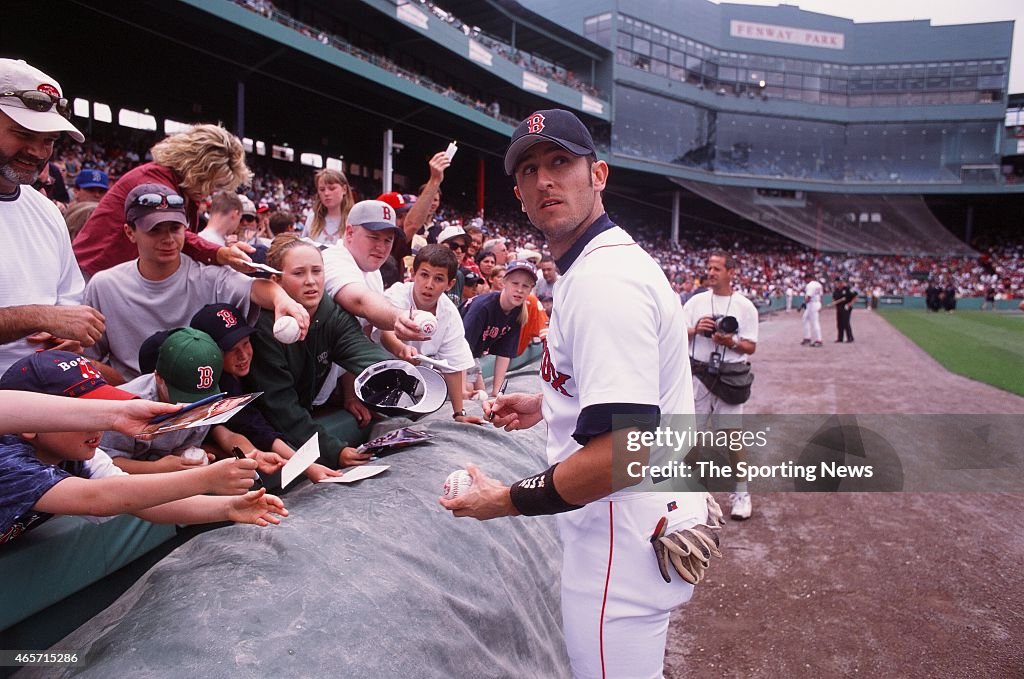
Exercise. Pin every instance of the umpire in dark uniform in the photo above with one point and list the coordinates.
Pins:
(842, 300)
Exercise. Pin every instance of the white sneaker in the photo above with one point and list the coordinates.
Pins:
(741, 507)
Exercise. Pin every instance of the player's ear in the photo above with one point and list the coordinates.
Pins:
(599, 174)
(130, 232)
(522, 206)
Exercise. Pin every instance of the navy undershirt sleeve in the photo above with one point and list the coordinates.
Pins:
(598, 419)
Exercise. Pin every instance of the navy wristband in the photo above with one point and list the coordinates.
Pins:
(536, 495)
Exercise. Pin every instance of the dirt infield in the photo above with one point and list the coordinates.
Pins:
(861, 584)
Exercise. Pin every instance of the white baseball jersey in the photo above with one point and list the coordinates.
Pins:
(709, 304)
(615, 337)
(340, 269)
(813, 293)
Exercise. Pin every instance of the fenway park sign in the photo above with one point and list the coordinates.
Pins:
(786, 34)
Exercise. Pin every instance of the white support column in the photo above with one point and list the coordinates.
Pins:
(387, 161)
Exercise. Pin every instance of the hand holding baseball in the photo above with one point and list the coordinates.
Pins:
(484, 499)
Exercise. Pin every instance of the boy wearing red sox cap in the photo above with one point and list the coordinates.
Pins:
(67, 473)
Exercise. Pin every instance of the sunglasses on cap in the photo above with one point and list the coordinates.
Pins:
(35, 100)
(155, 200)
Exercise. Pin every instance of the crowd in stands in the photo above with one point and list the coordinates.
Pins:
(529, 62)
(769, 264)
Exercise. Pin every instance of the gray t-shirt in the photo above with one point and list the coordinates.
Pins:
(171, 443)
(135, 307)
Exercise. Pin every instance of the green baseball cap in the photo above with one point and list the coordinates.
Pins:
(190, 363)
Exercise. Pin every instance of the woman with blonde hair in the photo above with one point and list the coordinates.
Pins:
(330, 207)
(199, 162)
(291, 375)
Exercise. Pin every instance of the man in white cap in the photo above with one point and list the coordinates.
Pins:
(40, 282)
(352, 277)
(455, 239)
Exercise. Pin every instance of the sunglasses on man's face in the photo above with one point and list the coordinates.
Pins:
(248, 218)
(35, 100)
(156, 200)
(461, 247)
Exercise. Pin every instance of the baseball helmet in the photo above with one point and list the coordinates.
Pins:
(398, 388)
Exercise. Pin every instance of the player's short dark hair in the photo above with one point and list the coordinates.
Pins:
(546, 258)
(437, 255)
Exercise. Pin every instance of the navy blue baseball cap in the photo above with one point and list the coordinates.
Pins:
(150, 350)
(60, 373)
(92, 179)
(555, 125)
(522, 265)
(224, 323)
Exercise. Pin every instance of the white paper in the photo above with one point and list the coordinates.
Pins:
(264, 267)
(300, 461)
(450, 151)
(435, 363)
(357, 473)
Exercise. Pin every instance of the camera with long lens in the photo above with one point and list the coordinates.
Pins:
(726, 325)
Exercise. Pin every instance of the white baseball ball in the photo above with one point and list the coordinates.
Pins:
(457, 483)
(195, 455)
(286, 330)
(427, 322)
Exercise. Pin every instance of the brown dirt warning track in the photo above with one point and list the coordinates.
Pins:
(861, 584)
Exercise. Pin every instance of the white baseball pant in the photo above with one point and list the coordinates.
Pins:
(615, 604)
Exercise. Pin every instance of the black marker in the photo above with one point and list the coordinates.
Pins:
(257, 482)
(501, 392)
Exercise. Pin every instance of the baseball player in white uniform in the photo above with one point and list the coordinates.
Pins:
(612, 303)
(703, 314)
(812, 311)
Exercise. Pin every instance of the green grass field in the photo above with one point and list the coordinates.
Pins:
(985, 346)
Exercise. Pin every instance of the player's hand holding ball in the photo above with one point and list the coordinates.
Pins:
(483, 498)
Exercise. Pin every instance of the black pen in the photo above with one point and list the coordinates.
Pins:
(257, 482)
(501, 392)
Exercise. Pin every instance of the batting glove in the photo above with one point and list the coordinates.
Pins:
(689, 550)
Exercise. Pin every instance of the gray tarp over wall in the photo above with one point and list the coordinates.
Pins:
(369, 580)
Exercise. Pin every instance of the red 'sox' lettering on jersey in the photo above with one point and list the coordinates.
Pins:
(548, 373)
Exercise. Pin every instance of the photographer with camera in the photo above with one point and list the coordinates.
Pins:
(722, 326)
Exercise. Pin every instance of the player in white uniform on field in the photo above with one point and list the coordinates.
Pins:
(812, 311)
(613, 306)
(702, 313)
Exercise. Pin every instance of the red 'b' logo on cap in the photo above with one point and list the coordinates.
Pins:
(227, 317)
(535, 123)
(205, 377)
